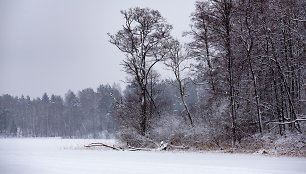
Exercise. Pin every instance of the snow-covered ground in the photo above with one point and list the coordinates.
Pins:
(68, 156)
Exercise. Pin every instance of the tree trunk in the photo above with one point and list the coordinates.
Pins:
(229, 58)
(183, 101)
(143, 110)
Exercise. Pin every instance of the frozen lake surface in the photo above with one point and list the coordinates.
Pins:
(68, 156)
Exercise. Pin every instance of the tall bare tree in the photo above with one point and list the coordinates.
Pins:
(176, 62)
(142, 39)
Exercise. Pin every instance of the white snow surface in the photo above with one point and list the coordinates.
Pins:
(68, 156)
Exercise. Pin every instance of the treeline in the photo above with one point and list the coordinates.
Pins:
(246, 60)
(87, 114)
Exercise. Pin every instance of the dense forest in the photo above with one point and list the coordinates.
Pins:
(238, 82)
(85, 115)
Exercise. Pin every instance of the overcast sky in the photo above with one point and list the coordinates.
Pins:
(56, 45)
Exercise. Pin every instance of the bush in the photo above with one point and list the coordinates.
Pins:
(291, 144)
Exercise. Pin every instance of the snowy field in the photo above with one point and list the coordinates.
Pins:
(68, 156)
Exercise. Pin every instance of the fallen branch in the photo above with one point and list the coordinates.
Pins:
(101, 144)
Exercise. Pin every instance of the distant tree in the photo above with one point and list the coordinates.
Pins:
(3, 120)
(88, 106)
(73, 115)
(45, 104)
(13, 130)
(107, 96)
(56, 112)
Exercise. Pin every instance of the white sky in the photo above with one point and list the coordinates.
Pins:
(56, 45)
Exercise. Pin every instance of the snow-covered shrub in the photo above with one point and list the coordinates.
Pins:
(130, 137)
(175, 131)
(168, 129)
(292, 144)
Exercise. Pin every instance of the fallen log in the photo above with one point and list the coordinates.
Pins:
(138, 149)
(101, 144)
